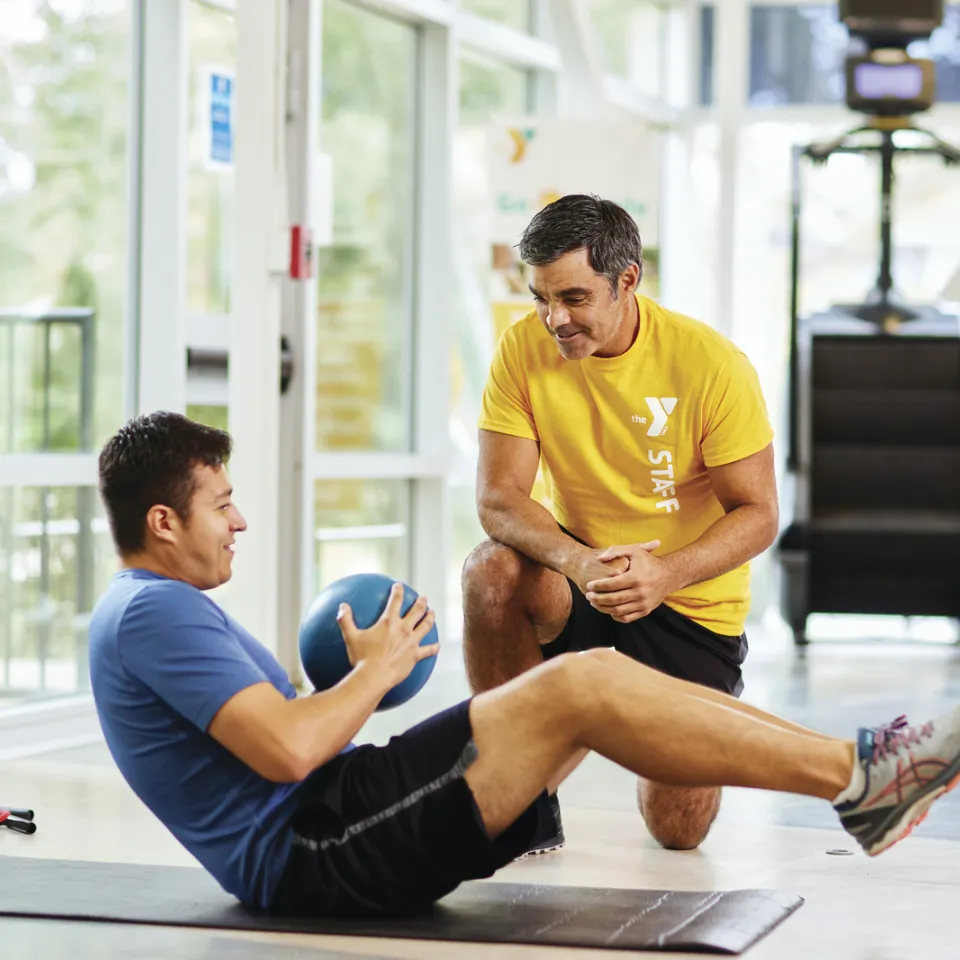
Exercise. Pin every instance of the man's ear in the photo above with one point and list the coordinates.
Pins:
(163, 523)
(630, 278)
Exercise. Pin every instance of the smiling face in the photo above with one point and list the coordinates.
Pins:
(579, 310)
(199, 550)
(209, 536)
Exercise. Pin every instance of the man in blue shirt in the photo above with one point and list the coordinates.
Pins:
(265, 787)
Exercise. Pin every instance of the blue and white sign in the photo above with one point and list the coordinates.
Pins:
(218, 103)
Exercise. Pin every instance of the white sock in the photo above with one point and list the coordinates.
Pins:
(858, 783)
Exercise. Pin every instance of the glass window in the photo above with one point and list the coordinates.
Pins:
(365, 279)
(707, 28)
(700, 294)
(797, 54)
(943, 48)
(514, 13)
(64, 74)
(840, 251)
(47, 364)
(631, 40)
(56, 557)
(487, 90)
(361, 526)
(212, 45)
(211, 415)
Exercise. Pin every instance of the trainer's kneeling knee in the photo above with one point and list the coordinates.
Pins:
(679, 836)
(491, 572)
(678, 824)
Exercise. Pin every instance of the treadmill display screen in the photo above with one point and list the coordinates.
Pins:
(880, 81)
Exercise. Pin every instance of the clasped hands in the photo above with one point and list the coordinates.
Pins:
(625, 582)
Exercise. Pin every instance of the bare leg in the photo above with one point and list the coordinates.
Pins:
(529, 729)
(630, 667)
(679, 818)
(511, 605)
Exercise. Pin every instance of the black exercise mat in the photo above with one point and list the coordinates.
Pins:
(486, 912)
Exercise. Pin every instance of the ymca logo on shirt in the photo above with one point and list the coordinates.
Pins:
(661, 408)
(663, 479)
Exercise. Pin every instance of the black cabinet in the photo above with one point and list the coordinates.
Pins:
(876, 528)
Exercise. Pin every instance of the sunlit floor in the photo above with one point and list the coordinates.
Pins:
(903, 904)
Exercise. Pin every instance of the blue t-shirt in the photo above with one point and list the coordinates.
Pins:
(164, 658)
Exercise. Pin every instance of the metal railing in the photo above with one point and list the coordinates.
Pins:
(42, 617)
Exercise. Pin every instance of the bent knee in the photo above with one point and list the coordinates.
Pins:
(680, 836)
(495, 575)
(571, 683)
(640, 673)
(492, 562)
(600, 654)
(678, 820)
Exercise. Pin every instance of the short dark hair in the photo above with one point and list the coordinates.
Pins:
(151, 460)
(609, 234)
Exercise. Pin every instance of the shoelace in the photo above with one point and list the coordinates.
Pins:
(892, 737)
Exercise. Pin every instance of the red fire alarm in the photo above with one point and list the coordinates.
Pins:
(301, 253)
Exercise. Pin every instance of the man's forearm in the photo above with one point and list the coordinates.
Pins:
(320, 726)
(530, 529)
(736, 538)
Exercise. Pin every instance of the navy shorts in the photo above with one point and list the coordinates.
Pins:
(390, 830)
(664, 639)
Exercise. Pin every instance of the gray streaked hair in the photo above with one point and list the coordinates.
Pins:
(580, 221)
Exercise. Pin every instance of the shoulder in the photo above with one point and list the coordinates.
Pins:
(141, 614)
(163, 604)
(710, 358)
(689, 334)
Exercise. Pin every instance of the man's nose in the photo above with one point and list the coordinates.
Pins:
(558, 317)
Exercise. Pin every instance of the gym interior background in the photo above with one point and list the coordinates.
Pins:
(160, 162)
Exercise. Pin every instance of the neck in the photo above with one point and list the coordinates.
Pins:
(150, 563)
(627, 330)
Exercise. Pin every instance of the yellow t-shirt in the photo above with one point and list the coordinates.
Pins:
(625, 441)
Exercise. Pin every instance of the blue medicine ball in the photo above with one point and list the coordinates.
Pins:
(323, 652)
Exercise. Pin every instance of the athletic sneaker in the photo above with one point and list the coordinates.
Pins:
(904, 770)
(550, 836)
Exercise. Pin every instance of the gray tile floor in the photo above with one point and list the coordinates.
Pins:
(901, 905)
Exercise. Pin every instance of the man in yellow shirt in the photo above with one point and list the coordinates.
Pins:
(655, 447)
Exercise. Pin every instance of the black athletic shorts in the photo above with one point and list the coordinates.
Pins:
(664, 639)
(390, 830)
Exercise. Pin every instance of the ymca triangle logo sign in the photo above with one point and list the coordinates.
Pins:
(661, 408)
(521, 139)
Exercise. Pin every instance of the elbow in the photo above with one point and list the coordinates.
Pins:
(296, 773)
(760, 524)
(284, 766)
(293, 769)
(487, 513)
(293, 762)
(279, 756)
(487, 516)
(771, 525)
(300, 755)
(492, 509)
